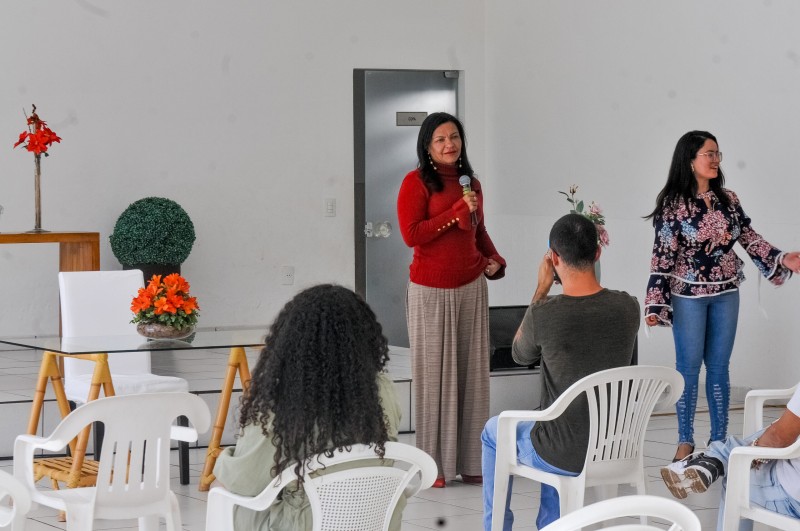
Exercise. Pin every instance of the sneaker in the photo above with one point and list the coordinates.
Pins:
(693, 474)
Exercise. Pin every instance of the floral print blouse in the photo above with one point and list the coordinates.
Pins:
(693, 253)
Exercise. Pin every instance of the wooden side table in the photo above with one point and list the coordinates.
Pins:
(78, 251)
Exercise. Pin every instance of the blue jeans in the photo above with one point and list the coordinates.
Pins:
(704, 329)
(549, 509)
(765, 491)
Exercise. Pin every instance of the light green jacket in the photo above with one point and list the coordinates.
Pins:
(246, 469)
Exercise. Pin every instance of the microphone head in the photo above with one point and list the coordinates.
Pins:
(464, 180)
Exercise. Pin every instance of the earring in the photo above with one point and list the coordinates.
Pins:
(459, 162)
(431, 161)
(692, 168)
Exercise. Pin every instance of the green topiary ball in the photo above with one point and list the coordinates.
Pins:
(153, 230)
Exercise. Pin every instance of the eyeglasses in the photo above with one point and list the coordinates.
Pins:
(712, 155)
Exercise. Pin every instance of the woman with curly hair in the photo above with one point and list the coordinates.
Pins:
(319, 384)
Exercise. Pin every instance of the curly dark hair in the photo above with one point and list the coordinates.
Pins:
(314, 388)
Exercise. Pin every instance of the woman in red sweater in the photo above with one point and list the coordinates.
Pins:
(447, 305)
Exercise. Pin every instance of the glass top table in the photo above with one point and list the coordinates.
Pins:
(134, 342)
(97, 348)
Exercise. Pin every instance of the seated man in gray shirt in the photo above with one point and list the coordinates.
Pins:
(585, 330)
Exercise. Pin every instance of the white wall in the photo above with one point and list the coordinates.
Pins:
(241, 111)
(598, 93)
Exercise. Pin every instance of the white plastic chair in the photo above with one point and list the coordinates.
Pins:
(680, 517)
(737, 495)
(367, 494)
(620, 402)
(13, 516)
(133, 479)
(98, 303)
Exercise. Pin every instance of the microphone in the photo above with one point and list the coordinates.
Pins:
(464, 181)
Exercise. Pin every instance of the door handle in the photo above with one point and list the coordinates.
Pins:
(379, 229)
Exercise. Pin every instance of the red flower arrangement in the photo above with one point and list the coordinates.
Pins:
(166, 302)
(39, 137)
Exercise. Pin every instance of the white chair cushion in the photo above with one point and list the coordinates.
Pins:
(77, 387)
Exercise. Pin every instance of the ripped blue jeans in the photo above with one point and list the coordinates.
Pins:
(704, 329)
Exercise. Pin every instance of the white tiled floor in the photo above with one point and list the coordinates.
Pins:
(458, 506)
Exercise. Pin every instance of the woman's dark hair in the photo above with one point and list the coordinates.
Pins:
(433, 182)
(315, 388)
(681, 182)
(574, 238)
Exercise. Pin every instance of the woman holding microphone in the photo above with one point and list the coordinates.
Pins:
(447, 305)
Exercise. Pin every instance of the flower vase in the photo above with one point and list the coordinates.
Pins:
(37, 189)
(162, 331)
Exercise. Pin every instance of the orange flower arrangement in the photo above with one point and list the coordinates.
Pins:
(166, 302)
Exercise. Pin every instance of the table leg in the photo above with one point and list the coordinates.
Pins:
(48, 371)
(79, 256)
(183, 454)
(101, 377)
(237, 363)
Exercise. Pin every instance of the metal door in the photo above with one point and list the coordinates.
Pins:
(389, 106)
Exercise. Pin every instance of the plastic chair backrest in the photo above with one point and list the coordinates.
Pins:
(679, 516)
(355, 498)
(134, 469)
(620, 404)
(13, 516)
(97, 303)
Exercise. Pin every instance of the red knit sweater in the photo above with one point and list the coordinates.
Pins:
(448, 251)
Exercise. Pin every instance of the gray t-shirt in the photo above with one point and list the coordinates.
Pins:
(574, 337)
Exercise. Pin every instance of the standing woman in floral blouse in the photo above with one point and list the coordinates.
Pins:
(695, 276)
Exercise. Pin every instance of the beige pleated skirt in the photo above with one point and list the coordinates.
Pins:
(448, 331)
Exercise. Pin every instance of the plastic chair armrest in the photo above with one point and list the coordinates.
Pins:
(754, 406)
(221, 498)
(45, 443)
(738, 472)
(748, 453)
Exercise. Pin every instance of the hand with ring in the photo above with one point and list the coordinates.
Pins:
(492, 268)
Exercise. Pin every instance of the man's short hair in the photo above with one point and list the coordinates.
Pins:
(574, 239)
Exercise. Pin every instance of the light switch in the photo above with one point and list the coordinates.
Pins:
(330, 207)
